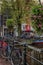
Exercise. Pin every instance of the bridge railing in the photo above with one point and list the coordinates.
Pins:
(36, 55)
(31, 54)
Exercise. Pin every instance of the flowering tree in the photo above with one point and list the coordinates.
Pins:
(37, 18)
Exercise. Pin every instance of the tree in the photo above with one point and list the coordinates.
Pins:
(18, 9)
(15, 9)
(37, 18)
(18, 12)
(6, 8)
(10, 25)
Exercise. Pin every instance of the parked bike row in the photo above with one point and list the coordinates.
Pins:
(10, 52)
(15, 51)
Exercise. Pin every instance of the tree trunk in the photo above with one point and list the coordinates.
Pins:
(19, 29)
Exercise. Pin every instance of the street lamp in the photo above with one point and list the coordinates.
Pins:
(41, 2)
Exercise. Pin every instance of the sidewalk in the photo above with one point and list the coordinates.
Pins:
(4, 62)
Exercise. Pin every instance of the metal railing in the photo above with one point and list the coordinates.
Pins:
(31, 55)
(35, 56)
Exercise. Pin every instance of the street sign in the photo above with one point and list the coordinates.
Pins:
(25, 27)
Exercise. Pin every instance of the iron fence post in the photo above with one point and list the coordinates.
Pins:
(25, 54)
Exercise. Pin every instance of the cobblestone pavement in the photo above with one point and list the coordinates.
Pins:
(4, 62)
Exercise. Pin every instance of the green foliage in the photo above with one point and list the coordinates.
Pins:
(4, 6)
(37, 17)
(10, 23)
(36, 9)
(18, 10)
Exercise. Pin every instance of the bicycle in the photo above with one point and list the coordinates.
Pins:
(13, 55)
(16, 57)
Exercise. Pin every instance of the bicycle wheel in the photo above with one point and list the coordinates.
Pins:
(15, 58)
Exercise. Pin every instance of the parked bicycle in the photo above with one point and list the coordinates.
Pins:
(12, 53)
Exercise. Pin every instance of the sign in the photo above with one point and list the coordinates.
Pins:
(25, 27)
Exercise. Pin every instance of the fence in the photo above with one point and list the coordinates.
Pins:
(32, 55)
(36, 55)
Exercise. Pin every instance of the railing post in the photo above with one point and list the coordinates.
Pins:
(25, 54)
